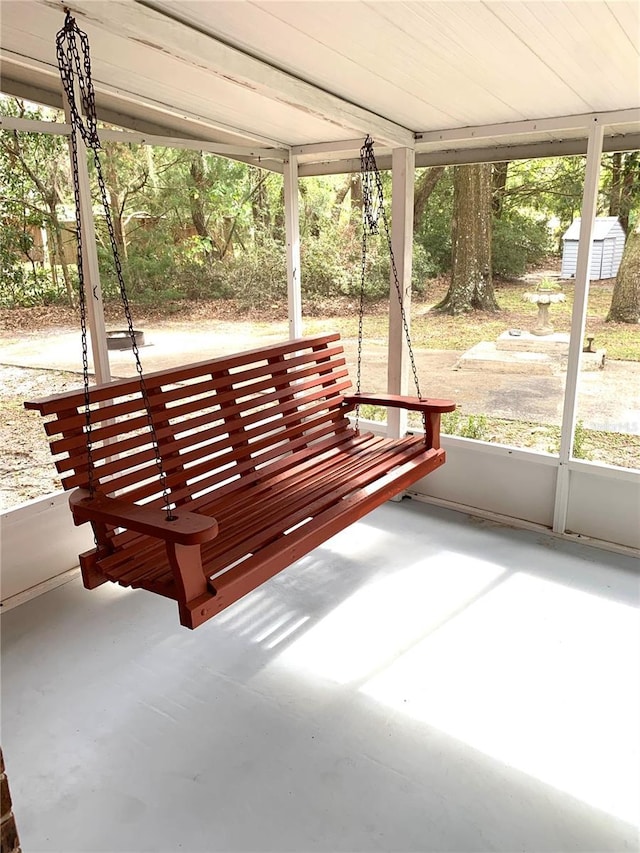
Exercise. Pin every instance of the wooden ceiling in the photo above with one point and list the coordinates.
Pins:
(456, 80)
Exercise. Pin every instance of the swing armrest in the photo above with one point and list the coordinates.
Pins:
(399, 401)
(187, 528)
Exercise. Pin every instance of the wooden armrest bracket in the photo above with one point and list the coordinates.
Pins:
(186, 528)
(430, 408)
(399, 401)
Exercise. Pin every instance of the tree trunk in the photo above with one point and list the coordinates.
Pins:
(625, 303)
(51, 256)
(310, 215)
(115, 197)
(499, 184)
(260, 207)
(278, 218)
(355, 185)
(425, 185)
(629, 188)
(197, 195)
(616, 184)
(471, 284)
(56, 229)
(341, 194)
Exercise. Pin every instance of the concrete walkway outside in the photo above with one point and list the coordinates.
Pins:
(609, 399)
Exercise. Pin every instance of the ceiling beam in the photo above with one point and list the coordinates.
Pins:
(30, 125)
(492, 154)
(28, 92)
(50, 98)
(267, 158)
(546, 125)
(165, 119)
(253, 154)
(345, 145)
(156, 29)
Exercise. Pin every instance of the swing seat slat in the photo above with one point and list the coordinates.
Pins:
(261, 461)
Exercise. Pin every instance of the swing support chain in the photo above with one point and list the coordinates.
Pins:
(373, 210)
(74, 63)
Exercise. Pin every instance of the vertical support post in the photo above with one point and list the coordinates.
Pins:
(292, 232)
(402, 192)
(93, 289)
(578, 318)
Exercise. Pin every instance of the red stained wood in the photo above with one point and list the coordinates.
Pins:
(416, 404)
(261, 462)
(184, 528)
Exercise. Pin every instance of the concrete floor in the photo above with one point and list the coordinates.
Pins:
(424, 682)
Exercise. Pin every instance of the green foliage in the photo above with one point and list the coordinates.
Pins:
(22, 286)
(545, 189)
(12, 282)
(453, 423)
(372, 413)
(471, 426)
(12, 272)
(423, 269)
(257, 278)
(148, 269)
(536, 191)
(331, 265)
(434, 232)
(579, 441)
(34, 169)
(197, 274)
(518, 241)
(520, 235)
(620, 187)
(328, 265)
(194, 226)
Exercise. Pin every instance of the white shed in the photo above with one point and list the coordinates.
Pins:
(608, 246)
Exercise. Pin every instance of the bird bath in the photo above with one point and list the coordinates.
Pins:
(543, 299)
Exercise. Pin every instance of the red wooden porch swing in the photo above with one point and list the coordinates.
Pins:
(203, 481)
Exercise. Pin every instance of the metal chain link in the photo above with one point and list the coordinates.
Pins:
(75, 67)
(373, 209)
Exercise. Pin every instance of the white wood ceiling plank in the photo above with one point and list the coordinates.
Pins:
(628, 17)
(470, 34)
(23, 44)
(584, 45)
(618, 55)
(159, 80)
(277, 40)
(152, 91)
(377, 40)
(145, 25)
(426, 65)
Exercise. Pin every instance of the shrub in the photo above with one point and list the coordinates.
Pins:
(434, 232)
(23, 287)
(473, 426)
(327, 268)
(255, 277)
(423, 269)
(518, 241)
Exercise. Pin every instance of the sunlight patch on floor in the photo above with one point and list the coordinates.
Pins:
(378, 623)
(539, 676)
(114, 590)
(359, 540)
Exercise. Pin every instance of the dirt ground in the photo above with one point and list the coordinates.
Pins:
(27, 469)
(38, 346)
